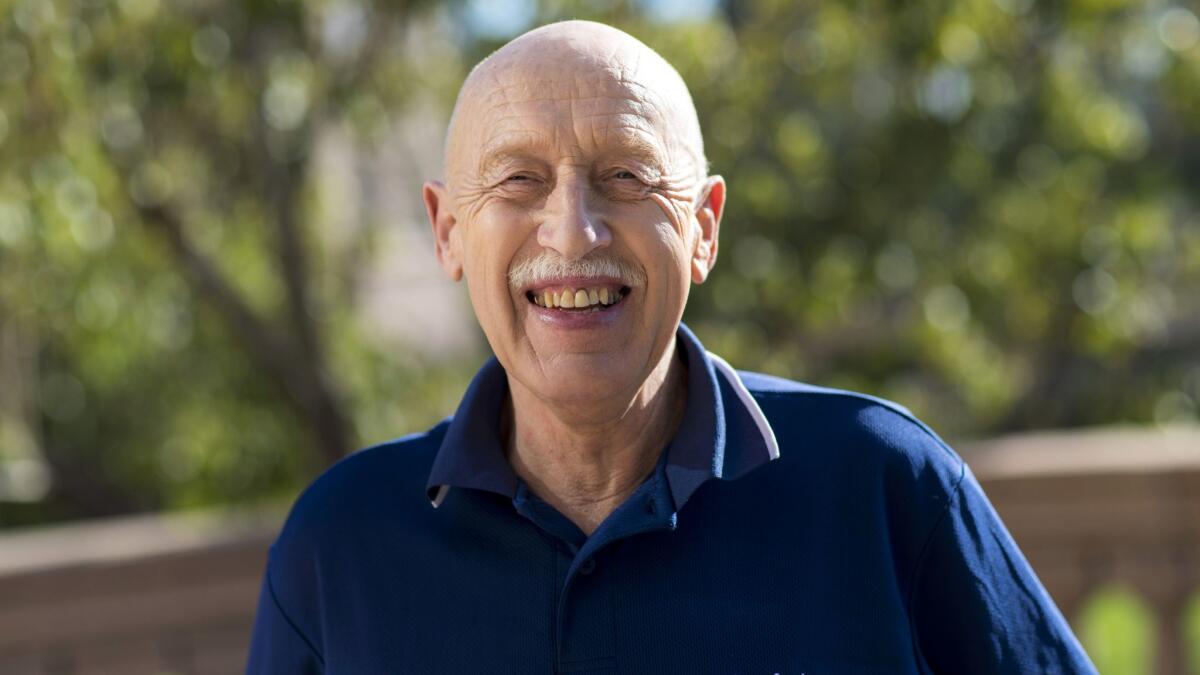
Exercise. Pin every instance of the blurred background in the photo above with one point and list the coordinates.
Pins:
(216, 279)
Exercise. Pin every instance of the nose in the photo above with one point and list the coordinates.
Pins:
(571, 226)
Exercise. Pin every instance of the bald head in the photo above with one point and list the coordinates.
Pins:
(580, 64)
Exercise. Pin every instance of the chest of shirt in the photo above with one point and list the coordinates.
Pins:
(490, 591)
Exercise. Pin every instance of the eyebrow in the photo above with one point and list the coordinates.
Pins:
(639, 148)
(526, 147)
(523, 148)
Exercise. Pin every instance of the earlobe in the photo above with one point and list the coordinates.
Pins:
(700, 268)
(708, 220)
(445, 232)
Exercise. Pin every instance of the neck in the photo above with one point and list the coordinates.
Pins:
(586, 459)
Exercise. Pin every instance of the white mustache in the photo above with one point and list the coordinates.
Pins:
(547, 266)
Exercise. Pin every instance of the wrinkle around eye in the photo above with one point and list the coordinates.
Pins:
(631, 178)
(633, 188)
(675, 209)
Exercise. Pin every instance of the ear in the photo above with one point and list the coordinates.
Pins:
(446, 236)
(708, 216)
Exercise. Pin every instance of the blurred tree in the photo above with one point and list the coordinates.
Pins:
(981, 209)
(155, 206)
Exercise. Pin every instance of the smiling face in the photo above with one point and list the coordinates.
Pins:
(577, 208)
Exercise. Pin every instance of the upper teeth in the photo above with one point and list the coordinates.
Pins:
(572, 298)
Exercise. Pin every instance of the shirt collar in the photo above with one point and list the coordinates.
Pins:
(723, 434)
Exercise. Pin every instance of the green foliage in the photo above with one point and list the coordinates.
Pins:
(981, 209)
(1117, 630)
(142, 393)
(1191, 633)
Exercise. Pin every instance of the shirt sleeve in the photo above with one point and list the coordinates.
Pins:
(977, 605)
(277, 645)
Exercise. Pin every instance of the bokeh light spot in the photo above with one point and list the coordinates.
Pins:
(1179, 29)
(210, 46)
(947, 308)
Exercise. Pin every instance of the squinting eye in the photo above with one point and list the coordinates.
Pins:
(519, 176)
(624, 175)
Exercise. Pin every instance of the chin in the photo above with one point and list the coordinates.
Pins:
(586, 377)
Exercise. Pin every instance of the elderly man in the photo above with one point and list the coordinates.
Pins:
(610, 497)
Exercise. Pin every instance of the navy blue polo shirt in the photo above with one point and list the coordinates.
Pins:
(786, 529)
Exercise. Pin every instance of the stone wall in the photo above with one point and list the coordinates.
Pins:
(1101, 507)
(147, 595)
(177, 593)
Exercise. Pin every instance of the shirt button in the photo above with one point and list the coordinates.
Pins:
(588, 566)
(650, 507)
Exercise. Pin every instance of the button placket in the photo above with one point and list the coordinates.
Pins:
(585, 630)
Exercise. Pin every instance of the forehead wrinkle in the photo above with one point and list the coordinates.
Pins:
(634, 142)
(581, 108)
(515, 145)
(625, 132)
(502, 104)
(626, 137)
(606, 77)
(664, 112)
(537, 125)
(587, 95)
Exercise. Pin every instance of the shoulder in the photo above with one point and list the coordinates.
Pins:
(857, 432)
(383, 481)
(862, 458)
(331, 521)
